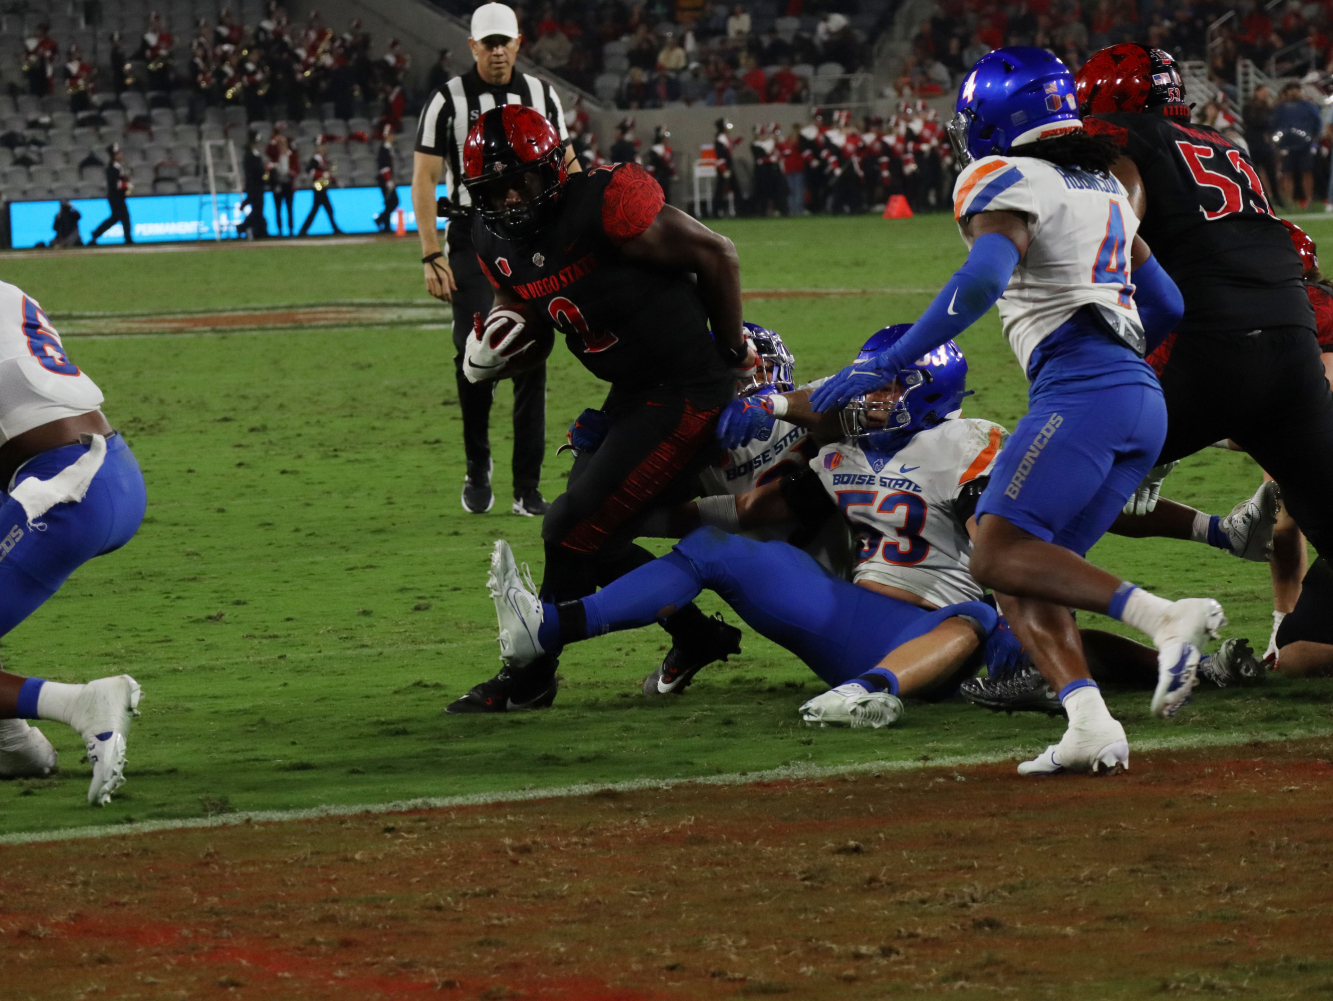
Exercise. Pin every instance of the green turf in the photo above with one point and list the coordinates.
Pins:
(306, 594)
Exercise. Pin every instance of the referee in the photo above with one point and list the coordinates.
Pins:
(457, 278)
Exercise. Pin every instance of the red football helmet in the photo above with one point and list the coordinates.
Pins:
(1129, 77)
(1304, 246)
(513, 150)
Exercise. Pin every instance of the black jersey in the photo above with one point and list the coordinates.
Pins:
(630, 324)
(1210, 226)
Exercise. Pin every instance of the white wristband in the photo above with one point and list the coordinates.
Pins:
(779, 405)
(720, 512)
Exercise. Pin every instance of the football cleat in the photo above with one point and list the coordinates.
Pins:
(517, 607)
(1234, 663)
(25, 753)
(1249, 526)
(851, 705)
(1021, 690)
(1188, 625)
(101, 715)
(1098, 750)
(530, 503)
(691, 654)
(511, 690)
(477, 495)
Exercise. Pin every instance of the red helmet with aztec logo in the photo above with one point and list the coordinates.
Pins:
(1129, 77)
(1304, 245)
(513, 166)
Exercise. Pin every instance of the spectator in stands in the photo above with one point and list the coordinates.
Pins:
(635, 91)
(977, 48)
(118, 188)
(121, 79)
(79, 81)
(754, 80)
(39, 59)
(553, 49)
(724, 90)
(155, 50)
(67, 226)
(695, 87)
(1258, 132)
(738, 25)
(626, 148)
(785, 87)
(321, 179)
(671, 57)
(1297, 126)
(439, 73)
(642, 52)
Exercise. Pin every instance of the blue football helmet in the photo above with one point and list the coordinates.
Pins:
(933, 391)
(776, 363)
(1012, 96)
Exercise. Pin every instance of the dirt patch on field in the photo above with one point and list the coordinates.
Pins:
(1198, 872)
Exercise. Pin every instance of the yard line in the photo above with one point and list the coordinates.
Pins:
(784, 773)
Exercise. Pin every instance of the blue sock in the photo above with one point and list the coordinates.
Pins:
(1074, 686)
(643, 596)
(877, 679)
(27, 700)
(1122, 593)
(548, 633)
(1216, 537)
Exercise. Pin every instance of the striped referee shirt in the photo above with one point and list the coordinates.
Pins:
(455, 108)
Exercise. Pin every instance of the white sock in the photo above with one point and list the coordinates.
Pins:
(1085, 707)
(13, 734)
(56, 701)
(1272, 638)
(1144, 611)
(1199, 530)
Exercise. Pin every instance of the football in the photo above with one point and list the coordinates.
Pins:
(508, 341)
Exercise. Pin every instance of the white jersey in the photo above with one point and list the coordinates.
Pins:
(902, 506)
(1081, 227)
(38, 382)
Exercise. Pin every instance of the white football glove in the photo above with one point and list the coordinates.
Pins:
(494, 345)
(1144, 499)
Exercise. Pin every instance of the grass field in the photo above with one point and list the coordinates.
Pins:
(307, 594)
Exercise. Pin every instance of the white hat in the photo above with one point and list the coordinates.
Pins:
(494, 19)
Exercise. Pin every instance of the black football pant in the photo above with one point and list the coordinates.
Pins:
(1312, 618)
(474, 295)
(1267, 392)
(659, 442)
(120, 213)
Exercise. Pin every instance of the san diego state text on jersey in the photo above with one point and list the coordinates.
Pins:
(1210, 226)
(630, 324)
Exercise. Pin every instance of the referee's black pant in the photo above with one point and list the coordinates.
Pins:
(120, 213)
(1266, 391)
(321, 201)
(474, 295)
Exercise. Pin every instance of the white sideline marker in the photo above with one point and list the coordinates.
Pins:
(786, 772)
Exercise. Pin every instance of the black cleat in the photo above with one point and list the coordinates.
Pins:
(530, 503)
(511, 691)
(691, 654)
(477, 496)
(1021, 690)
(1234, 663)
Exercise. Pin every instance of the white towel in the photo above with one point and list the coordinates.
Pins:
(69, 486)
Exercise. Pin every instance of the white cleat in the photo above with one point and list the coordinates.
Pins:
(517, 608)
(25, 753)
(1189, 624)
(1096, 750)
(852, 705)
(102, 716)
(1249, 526)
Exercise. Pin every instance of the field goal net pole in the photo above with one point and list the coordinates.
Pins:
(232, 175)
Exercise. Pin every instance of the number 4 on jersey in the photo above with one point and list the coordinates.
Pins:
(1112, 267)
(44, 342)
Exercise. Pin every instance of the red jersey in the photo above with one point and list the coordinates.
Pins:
(1321, 298)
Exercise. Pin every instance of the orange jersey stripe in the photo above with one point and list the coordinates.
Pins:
(983, 460)
(981, 174)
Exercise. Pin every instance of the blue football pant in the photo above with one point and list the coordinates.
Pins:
(839, 630)
(35, 561)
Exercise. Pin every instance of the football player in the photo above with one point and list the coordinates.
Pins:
(1248, 327)
(73, 491)
(906, 476)
(1053, 240)
(600, 255)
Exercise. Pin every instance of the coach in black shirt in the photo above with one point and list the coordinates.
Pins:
(449, 114)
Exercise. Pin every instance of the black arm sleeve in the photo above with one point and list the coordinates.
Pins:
(805, 495)
(965, 505)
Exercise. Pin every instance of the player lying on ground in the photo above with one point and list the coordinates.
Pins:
(73, 491)
(635, 286)
(915, 620)
(1052, 239)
